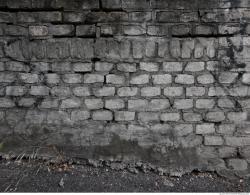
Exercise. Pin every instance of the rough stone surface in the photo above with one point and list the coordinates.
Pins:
(156, 81)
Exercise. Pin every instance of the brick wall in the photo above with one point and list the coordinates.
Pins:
(158, 81)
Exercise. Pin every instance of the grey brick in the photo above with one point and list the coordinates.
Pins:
(104, 91)
(6, 103)
(237, 116)
(82, 67)
(184, 79)
(72, 78)
(61, 66)
(115, 79)
(237, 141)
(173, 91)
(127, 91)
(74, 17)
(216, 91)
(139, 79)
(7, 77)
(204, 103)
(38, 31)
(205, 79)
(162, 79)
(35, 117)
(102, 115)
(71, 103)
(140, 16)
(126, 67)
(246, 78)
(81, 91)
(26, 102)
(226, 103)
(150, 91)
(213, 141)
(103, 66)
(180, 30)
(195, 66)
(172, 66)
(187, 49)
(138, 104)
(52, 78)
(148, 116)
(93, 78)
(158, 104)
(238, 164)
(17, 66)
(175, 48)
(124, 116)
(157, 30)
(39, 90)
(183, 103)
(15, 90)
(40, 66)
(29, 78)
(60, 91)
(79, 115)
(111, 4)
(7, 17)
(46, 16)
(205, 128)
(183, 129)
(61, 30)
(227, 77)
(226, 129)
(134, 30)
(149, 66)
(192, 117)
(227, 152)
(170, 116)
(195, 91)
(114, 104)
(49, 103)
(85, 30)
(58, 118)
(14, 30)
(94, 103)
(215, 116)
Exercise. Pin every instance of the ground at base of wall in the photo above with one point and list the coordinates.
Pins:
(35, 176)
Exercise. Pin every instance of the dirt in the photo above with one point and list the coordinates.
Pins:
(36, 176)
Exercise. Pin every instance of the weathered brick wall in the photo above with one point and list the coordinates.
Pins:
(159, 81)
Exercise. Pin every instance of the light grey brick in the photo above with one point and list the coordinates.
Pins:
(124, 116)
(237, 141)
(28, 77)
(162, 79)
(172, 66)
(2, 66)
(26, 102)
(183, 103)
(93, 78)
(158, 104)
(58, 118)
(60, 91)
(195, 91)
(6, 103)
(72, 78)
(115, 79)
(216, 91)
(226, 103)
(227, 77)
(184, 79)
(246, 78)
(149, 66)
(15, 90)
(205, 128)
(82, 67)
(148, 116)
(104, 91)
(17, 66)
(140, 16)
(139, 79)
(195, 66)
(92, 104)
(73, 17)
(215, 116)
(61, 30)
(114, 104)
(126, 67)
(52, 78)
(102, 115)
(103, 66)
(226, 129)
(134, 30)
(237, 116)
(150, 91)
(205, 79)
(227, 152)
(127, 91)
(204, 103)
(175, 48)
(81, 91)
(49, 103)
(38, 31)
(187, 48)
(192, 117)
(138, 104)
(170, 116)
(71, 103)
(213, 141)
(238, 164)
(39, 90)
(173, 91)
(183, 129)
(79, 115)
